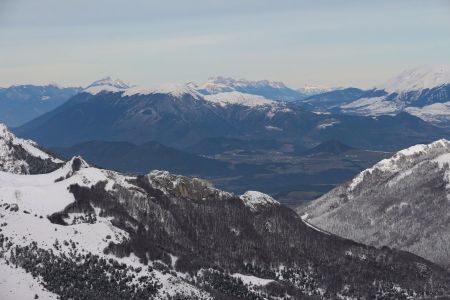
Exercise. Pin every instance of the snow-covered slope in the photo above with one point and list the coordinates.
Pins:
(238, 98)
(414, 91)
(418, 79)
(28, 206)
(402, 202)
(437, 113)
(106, 84)
(100, 234)
(23, 156)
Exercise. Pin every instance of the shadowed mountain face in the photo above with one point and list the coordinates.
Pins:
(128, 157)
(182, 120)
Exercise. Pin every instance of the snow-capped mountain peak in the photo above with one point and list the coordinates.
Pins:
(174, 89)
(310, 89)
(106, 84)
(220, 84)
(417, 79)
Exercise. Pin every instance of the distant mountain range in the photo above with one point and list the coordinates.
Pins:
(22, 103)
(401, 202)
(277, 91)
(179, 116)
(164, 236)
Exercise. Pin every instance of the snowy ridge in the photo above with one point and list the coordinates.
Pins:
(257, 200)
(173, 89)
(401, 202)
(403, 158)
(187, 187)
(436, 113)
(373, 106)
(310, 89)
(221, 84)
(25, 206)
(106, 84)
(420, 78)
(229, 98)
(11, 156)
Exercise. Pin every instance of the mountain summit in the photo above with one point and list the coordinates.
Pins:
(269, 89)
(106, 84)
(418, 79)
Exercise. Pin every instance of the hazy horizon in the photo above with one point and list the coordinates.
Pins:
(349, 43)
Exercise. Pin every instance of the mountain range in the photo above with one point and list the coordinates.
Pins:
(277, 91)
(22, 103)
(401, 202)
(155, 236)
(178, 116)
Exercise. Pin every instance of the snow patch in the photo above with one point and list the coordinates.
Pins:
(230, 98)
(252, 280)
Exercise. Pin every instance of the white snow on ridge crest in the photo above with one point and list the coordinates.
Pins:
(106, 84)
(174, 89)
(411, 154)
(256, 200)
(229, 98)
(420, 78)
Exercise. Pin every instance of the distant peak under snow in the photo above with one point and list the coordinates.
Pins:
(310, 89)
(106, 84)
(417, 79)
(229, 98)
(220, 84)
(173, 89)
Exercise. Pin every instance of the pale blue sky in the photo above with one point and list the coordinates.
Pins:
(333, 43)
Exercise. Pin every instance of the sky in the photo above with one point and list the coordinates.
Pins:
(327, 42)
